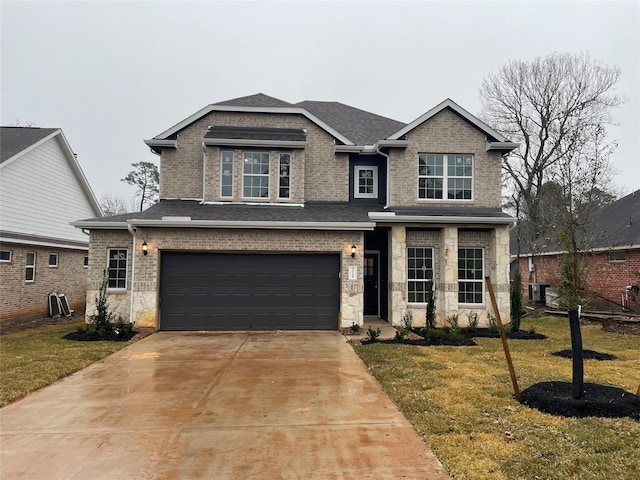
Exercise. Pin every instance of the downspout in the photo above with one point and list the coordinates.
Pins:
(380, 152)
(204, 172)
(132, 231)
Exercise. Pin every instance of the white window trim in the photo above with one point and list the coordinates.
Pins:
(267, 175)
(433, 269)
(126, 279)
(10, 257)
(85, 265)
(445, 179)
(222, 152)
(33, 267)
(356, 183)
(484, 268)
(55, 265)
(279, 167)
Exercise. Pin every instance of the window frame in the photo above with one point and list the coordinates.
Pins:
(53, 265)
(85, 261)
(7, 260)
(474, 281)
(281, 177)
(224, 153)
(419, 280)
(445, 177)
(615, 253)
(30, 267)
(246, 175)
(356, 181)
(117, 269)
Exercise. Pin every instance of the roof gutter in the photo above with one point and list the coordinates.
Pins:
(388, 186)
(391, 217)
(258, 224)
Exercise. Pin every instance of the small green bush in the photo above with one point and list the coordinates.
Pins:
(493, 323)
(433, 334)
(402, 333)
(407, 320)
(373, 334)
(355, 327)
(473, 322)
(431, 309)
(453, 320)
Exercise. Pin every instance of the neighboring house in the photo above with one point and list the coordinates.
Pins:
(310, 216)
(612, 262)
(42, 189)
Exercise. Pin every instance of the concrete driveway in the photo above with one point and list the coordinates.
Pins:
(294, 405)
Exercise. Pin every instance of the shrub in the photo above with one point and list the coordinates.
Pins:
(516, 301)
(473, 322)
(493, 324)
(355, 327)
(453, 320)
(102, 319)
(373, 334)
(407, 320)
(431, 309)
(433, 334)
(401, 333)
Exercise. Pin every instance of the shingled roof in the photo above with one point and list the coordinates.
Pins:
(257, 100)
(14, 140)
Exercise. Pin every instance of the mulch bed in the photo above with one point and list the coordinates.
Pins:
(83, 336)
(555, 398)
(586, 355)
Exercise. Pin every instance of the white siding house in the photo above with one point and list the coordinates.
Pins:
(42, 189)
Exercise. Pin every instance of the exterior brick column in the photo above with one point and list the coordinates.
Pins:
(447, 288)
(398, 273)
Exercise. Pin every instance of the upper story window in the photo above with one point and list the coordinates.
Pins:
(617, 256)
(284, 180)
(117, 268)
(419, 274)
(366, 182)
(470, 275)
(53, 259)
(255, 175)
(30, 271)
(226, 177)
(5, 255)
(440, 173)
(85, 261)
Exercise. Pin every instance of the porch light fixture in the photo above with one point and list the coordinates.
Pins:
(353, 250)
(145, 250)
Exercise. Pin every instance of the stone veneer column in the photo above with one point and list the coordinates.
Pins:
(499, 272)
(447, 301)
(398, 274)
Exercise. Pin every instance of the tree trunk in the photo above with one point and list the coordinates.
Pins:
(576, 354)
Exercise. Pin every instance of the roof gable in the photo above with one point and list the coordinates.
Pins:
(457, 109)
(257, 100)
(14, 140)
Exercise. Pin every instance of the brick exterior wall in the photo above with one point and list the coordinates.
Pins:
(609, 279)
(319, 174)
(446, 133)
(146, 287)
(21, 299)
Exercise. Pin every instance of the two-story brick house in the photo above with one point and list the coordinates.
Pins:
(310, 216)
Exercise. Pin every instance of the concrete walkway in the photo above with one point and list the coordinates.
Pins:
(288, 405)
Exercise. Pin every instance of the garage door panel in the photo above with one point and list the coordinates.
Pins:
(210, 291)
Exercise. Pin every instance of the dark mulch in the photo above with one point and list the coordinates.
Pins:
(555, 398)
(586, 354)
(83, 336)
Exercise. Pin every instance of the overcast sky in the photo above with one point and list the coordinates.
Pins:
(112, 74)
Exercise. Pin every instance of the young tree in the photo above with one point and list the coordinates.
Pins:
(146, 179)
(548, 106)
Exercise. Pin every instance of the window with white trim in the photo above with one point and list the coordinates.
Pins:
(85, 261)
(226, 174)
(117, 276)
(440, 173)
(617, 256)
(30, 270)
(255, 175)
(53, 259)
(5, 255)
(366, 182)
(470, 275)
(284, 179)
(419, 274)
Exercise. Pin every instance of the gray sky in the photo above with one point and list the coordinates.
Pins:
(111, 74)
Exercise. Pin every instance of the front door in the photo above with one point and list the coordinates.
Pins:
(371, 281)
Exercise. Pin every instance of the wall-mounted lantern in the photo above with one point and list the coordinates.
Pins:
(145, 248)
(353, 250)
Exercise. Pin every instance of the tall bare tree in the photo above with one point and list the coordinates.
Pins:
(146, 179)
(550, 106)
(113, 205)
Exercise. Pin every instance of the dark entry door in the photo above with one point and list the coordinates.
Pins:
(222, 291)
(371, 287)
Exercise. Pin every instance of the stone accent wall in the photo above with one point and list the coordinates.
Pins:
(321, 175)
(21, 299)
(445, 133)
(146, 284)
(445, 243)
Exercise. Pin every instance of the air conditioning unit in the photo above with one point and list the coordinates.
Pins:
(535, 292)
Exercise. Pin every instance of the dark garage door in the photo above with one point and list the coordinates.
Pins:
(216, 291)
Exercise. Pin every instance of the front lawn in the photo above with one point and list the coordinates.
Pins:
(32, 359)
(460, 399)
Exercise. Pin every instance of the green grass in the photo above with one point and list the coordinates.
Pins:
(32, 359)
(460, 400)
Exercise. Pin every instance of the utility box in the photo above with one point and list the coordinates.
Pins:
(538, 292)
